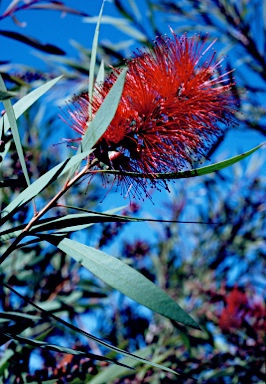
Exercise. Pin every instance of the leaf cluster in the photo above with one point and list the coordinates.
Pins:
(54, 286)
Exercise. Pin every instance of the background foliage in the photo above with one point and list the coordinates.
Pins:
(215, 272)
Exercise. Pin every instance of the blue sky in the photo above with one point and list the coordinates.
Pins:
(51, 27)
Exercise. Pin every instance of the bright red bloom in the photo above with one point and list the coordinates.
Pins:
(241, 310)
(233, 314)
(170, 110)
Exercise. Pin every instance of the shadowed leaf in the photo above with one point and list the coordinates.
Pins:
(4, 95)
(112, 373)
(192, 173)
(47, 315)
(48, 48)
(65, 224)
(14, 129)
(35, 188)
(59, 7)
(59, 348)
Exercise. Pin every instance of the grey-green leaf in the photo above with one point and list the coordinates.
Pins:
(100, 74)
(14, 129)
(105, 114)
(59, 348)
(103, 117)
(4, 95)
(109, 374)
(36, 187)
(192, 173)
(121, 24)
(127, 280)
(23, 104)
(65, 224)
(93, 59)
(76, 329)
(14, 316)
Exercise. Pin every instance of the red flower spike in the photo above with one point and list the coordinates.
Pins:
(169, 114)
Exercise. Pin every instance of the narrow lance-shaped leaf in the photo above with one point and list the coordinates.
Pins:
(126, 280)
(191, 173)
(3, 155)
(36, 187)
(121, 24)
(77, 221)
(14, 316)
(6, 359)
(23, 104)
(48, 48)
(59, 348)
(14, 129)
(74, 222)
(100, 74)
(111, 373)
(4, 95)
(103, 117)
(4, 150)
(93, 59)
(14, 323)
(78, 330)
(135, 10)
(2, 132)
(59, 7)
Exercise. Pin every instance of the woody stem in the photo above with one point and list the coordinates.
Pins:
(37, 216)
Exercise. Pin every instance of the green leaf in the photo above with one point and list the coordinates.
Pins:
(4, 95)
(100, 74)
(59, 348)
(14, 129)
(77, 221)
(23, 104)
(35, 188)
(109, 212)
(104, 115)
(93, 59)
(217, 373)
(6, 149)
(126, 280)
(124, 11)
(186, 174)
(14, 316)
(58, 6)
(48, 48)
(109, 374)
(5, 359)
(75, 329)
(14, 323)
(121, 24)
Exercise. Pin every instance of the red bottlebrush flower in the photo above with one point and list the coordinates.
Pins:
(233, 314)
(169, 114)
(244, 310)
